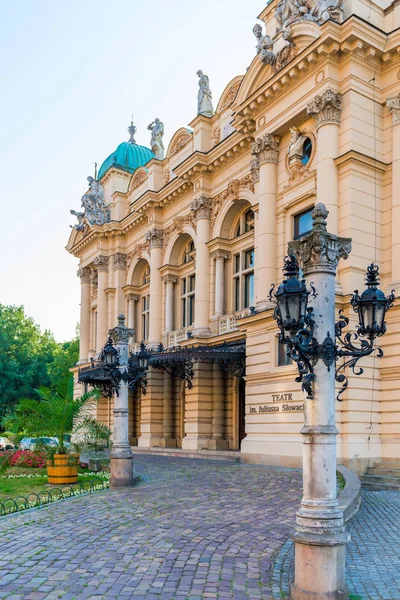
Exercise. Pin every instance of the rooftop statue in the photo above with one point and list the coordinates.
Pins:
(156, 142)
(204, 96)
(264, 46)
(317, 11)
(95, 211)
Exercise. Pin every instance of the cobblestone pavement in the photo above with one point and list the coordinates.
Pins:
(193, 529)
(373, 555)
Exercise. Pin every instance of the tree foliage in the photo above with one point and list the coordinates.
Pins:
(29, 359)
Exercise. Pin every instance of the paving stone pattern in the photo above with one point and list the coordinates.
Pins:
(373, 555)
(193, 529)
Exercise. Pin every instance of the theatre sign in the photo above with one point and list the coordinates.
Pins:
(279, 403)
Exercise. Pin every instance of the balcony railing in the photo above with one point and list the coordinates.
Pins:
(179, 335)
(228, 322)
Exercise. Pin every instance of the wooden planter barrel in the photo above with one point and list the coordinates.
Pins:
(63, 472)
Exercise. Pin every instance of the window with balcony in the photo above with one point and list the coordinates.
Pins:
(243, 279)
(188, 286)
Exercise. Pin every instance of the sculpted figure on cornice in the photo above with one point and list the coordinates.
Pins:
(393, 105)
(95, 211)
(204, 96)
(264, 45)
(317, 11)
(156, 143)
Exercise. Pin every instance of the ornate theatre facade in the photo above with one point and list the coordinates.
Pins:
(187, 241)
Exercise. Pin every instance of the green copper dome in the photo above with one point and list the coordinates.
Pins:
(129, 156)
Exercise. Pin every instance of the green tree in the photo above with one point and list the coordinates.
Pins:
(65, 356)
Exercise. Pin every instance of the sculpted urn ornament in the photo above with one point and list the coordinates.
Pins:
(156, 142)
(95, 211)
(204, 96)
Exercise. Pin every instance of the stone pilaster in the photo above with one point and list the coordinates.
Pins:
(84, 337)
(101, 264)
(167, 441)
(155, 239)
(265, 151)
(393, 104)
(201, 207)
(320, 535)
(121, 467)
(217, 441)
(170, 282)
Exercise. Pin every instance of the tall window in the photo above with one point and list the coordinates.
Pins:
(188, 285)
(303, 223)
(146, 275)
(283, 356)
(243, 279)
(246, 223)
(145, 313)
(189, 252)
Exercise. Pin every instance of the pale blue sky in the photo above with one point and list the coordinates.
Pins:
(72, 73)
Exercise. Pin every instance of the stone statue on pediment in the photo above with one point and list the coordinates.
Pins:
(156, 142)
(264, 46)
(317, 11)
(204, 96)
(95, 211)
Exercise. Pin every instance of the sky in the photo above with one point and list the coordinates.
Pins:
(72, 74)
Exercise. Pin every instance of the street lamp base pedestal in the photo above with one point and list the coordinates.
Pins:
(319, 572)
(121, 472)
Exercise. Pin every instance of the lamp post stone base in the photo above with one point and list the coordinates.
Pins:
(121, 472)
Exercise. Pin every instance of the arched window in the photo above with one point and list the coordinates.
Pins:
(188, 252)
(245, 223)
(307, 149)
(146, 275)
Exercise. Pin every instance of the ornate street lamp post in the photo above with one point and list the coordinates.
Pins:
(309, 334)
(116, 359)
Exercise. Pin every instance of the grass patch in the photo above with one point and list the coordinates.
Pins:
(340, 485)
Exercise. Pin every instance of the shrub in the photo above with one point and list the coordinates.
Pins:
(28, 459)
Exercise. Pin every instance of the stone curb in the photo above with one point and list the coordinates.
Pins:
(350, 498)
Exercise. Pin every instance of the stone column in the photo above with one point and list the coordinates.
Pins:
(101, 263)
(155, 239)
(220, 258)
(202, 209)
(320, 535)
(121, 468)
(265, 151)
(326, 110)
(169, 302)
(119, 263)
(393, 105)
(167, 441)
(84, 338)
(217, 441)
(131, 299)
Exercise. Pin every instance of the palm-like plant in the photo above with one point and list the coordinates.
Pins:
(57, 414)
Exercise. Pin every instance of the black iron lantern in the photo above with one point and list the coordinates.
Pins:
(372, 305)
(110, 353)
(291, 298)
(143, 357)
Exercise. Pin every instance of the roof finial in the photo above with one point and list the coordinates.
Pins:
(132, 131)
(95, 171)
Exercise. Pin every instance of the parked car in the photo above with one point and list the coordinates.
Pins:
(30, 443)
(6, 444)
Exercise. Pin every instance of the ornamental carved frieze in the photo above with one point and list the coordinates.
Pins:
(232, 193)
(320, 251)
(393, 105)
(266, 148)
(85, 274)
(101, 263)
(138, 179)
(180, 142)
(230, 96)
(326, 108)
(154, 237)
(119, 261)
(201, 207)
(93, 283)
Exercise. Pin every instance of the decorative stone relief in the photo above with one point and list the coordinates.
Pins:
(121, 334)
(156, 143)
(93, 283)
(230, 96)
(216, 136)
(201, 207)
(85, 274)
(393, 105)
(326, 108)
(322, 250)
(119, 261)
(266, 148)
(138, 179)
(204, 96)
(167, 177)
(101, 262)
(154, 237)
(180, 142)
(95, 211)
(317, 11)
